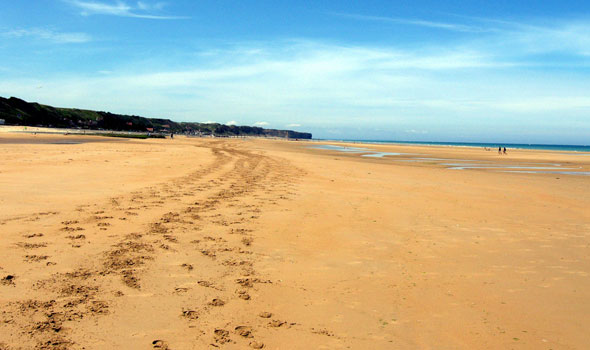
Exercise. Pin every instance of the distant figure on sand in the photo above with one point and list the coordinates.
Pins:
(171, 135)
(500, 150)
(504, 150)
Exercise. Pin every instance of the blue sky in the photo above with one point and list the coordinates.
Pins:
(489, 71)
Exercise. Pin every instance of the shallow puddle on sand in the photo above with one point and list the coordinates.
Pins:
(343, 149)
(461, 164)
(383, 154)
(579, 173)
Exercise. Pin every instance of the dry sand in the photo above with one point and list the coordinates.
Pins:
(233, 244)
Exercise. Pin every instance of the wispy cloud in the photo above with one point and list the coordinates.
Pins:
(140, 9)
(48, 35)
(468, 84)
(150, 6)
(261, 123)
(566, 37)
(546, 36)
(311, 78)
(417, 22)
(232, 122)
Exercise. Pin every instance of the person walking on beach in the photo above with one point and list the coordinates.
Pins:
(499, 149)
(504, 150)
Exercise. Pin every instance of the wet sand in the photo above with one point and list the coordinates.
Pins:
(245, 243)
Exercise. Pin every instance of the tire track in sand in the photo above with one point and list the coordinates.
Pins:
(137, 250)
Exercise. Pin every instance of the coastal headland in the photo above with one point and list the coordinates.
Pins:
(194, 243)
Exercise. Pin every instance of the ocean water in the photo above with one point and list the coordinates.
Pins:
(493, 146)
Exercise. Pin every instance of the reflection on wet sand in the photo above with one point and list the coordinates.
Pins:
(460, 164)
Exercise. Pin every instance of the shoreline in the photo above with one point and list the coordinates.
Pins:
(474, 145)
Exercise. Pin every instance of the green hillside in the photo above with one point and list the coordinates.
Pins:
(15, 111)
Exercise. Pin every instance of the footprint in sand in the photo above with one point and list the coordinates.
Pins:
(256, 345)
(322, 332)
(170, 238)
(221, 336)
(35, 258)
(33, 235)
(180, 290)
(217, 302)
(242, 294)
(8, 280)
(69, 222)
(265, 314)
(205, 284)
(32, 245)
(209, 253)
(160, 344)
(187, 266)
(277, 323)
(248, 282)
(244, 331)
(190, 314)
(71, 229)
(76, 237)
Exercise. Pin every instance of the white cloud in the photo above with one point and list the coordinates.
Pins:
(261, 123)
(549, 36)
(140, 10)
(149, 7)
(320, 80)
(417, 22)
(477, 84)
(570, 37)
(49, 35)
(232, 122)
(310, 78)
(293, 125)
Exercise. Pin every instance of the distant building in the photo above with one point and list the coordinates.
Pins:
(2, 121)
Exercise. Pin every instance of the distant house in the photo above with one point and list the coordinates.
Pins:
(2, 121)
(167, 126)
(129, 123)
(150, 129)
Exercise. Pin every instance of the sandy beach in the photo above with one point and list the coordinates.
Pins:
(249, 243)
